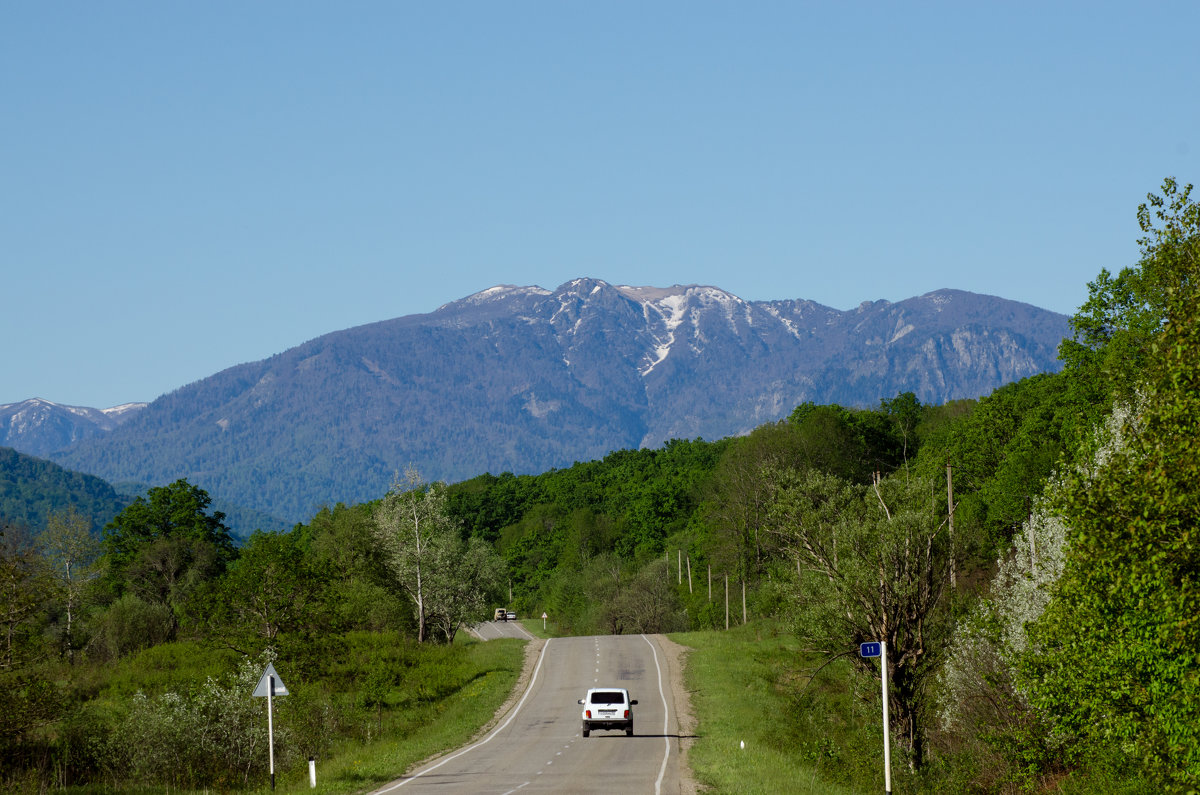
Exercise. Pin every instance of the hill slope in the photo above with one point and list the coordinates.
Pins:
(31, 489)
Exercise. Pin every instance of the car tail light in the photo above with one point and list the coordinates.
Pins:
(587, 712)
(627, 713)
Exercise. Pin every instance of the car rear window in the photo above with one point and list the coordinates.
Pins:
(608, 697)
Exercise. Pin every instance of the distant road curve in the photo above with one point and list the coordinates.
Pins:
(538, 747)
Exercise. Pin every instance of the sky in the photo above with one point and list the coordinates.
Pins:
(185, 187)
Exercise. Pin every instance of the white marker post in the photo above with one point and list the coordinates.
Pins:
(270, 685)
(544, 617)
(880, 650)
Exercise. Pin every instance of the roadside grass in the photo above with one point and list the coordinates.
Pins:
(462, 689)
(747, 686)
(534, 627)
(383, 705)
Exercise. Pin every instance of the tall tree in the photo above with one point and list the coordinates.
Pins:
(165, 544)
(24, 587)
(271, 597)
(446, 577)
(1116, 648)
(872, 564)
(70, 550)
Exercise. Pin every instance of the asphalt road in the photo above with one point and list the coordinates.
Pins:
(538, 747)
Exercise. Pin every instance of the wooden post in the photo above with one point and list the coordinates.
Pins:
(689, 574)
(950, 524)
(743, 602)
(727, 601)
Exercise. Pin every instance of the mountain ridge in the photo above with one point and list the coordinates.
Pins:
(526, 379)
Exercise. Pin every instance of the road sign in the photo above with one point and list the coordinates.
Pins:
(868, 649)
(270, 686)
(270, 678)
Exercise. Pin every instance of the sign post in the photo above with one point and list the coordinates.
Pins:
(270, 685)
(879, 649)
(543, 622)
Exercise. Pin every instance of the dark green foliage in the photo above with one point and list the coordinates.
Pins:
(854, 443)
(1003, 450)
(31, 489)
(275, 596)
(157, 553)
(362, 595)
(177, 511)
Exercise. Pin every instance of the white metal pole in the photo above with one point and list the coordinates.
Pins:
(887, 744)
(271, 728)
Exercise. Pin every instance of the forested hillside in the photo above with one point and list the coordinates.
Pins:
(31, 489)
(1029, 558)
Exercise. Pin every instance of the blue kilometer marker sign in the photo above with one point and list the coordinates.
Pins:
(868, 650)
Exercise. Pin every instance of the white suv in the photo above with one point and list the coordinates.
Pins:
(607, 708)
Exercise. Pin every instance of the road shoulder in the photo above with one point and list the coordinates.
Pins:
(676, 656)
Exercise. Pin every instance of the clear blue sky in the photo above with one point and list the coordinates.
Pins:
(188, 186)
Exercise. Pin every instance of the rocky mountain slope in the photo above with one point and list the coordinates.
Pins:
(524, 379)
(39, 427)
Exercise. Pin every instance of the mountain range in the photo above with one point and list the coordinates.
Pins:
(525, 379)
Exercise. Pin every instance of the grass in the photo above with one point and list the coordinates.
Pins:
(756, 735)
(534, 627)
(484, 677)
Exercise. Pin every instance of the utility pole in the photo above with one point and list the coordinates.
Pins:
(689, 574)
(727, 600)
(950, 502)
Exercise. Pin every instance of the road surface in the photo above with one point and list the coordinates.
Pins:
(537, 746)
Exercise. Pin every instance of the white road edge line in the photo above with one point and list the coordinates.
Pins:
(662, 770)
(497, 730)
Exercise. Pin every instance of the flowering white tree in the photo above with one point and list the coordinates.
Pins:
(979, 681)
(447, 578)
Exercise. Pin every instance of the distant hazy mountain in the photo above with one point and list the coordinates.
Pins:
(39, 427)
(524, 379)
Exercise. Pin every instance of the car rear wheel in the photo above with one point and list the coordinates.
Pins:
(586, 731)
(629, 729)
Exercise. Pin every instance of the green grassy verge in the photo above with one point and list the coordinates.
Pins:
(756, 734)
(485, 675)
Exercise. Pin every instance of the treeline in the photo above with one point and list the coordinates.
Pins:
(89, 628)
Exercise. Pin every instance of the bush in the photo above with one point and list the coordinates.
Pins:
(130, 625)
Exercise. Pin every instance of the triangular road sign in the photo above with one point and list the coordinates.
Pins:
(265, 682)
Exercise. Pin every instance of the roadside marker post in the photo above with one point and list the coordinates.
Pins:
(879, 649)
(270, 686)
(544, 617)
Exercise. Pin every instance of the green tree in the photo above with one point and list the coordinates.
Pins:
(28, 698)
(872, 563)
(273, 598)
(905, 413)
(1116, 665)
(70, 550)
(447, 578)
(25, 585)
(164, 545)
(1116, 327)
